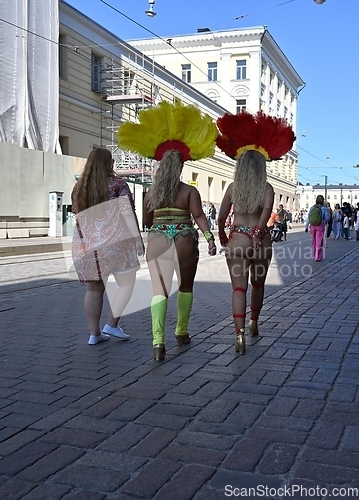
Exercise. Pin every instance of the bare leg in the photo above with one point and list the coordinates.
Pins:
(121, 297)
(93, 304)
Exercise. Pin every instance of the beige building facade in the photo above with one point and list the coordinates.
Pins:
(238, 69)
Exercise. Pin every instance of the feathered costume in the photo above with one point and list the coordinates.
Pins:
(166, 127)
(170, 126)
(269, 135)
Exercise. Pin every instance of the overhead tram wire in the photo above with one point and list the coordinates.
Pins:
(255, 12)
(327, 165)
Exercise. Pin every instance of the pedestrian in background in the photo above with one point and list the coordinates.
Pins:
(106, 241)
(346, 226)
(318, 216)
(282, 216)
(337, 221)
(251, 140)
(212, 214)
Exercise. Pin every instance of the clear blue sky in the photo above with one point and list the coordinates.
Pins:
(321, 42)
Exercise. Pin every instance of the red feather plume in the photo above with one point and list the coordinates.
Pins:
(269, 133)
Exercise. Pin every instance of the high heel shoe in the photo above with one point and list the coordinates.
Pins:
(183, 339)
(253, 328)
(159, 352)
(240, 342)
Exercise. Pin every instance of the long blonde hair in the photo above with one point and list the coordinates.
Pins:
(250, 180)
(92, 187)
(166, 181)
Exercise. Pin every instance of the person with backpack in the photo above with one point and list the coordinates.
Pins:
(318, 216)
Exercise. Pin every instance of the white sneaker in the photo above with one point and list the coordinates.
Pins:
(96, 339)
(116, 331)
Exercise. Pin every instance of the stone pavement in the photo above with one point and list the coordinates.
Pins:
(107, 422)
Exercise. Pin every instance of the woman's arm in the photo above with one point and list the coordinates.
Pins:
(147, 216)
(195, 207)
(223, 214)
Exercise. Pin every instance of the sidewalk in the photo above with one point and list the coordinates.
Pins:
(107, 422)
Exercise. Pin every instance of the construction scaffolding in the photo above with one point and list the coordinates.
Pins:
(126, 90)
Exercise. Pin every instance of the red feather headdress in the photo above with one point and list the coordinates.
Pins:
(269, 135)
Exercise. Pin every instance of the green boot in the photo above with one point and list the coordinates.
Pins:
(158, 313)
(184, 306)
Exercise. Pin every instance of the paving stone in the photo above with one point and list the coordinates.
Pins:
(281, 406)
(192, 455)
(93, 424)
(123, 462)
(24, 457)
(55, 419)
(105, 406)
(47, 492)
(131, 409)
(86, 495)
(277, 435)
(292, 423)
(125, 438)
(74, 437)
(151, 478)
(231, 483)
(325, 435)
(308, 409)
(204, 440)
(278, 459)
(245, 455)
(15, 489)
(326, 473)
(350, 441)
(154, 443)
(52, 463)
(91, 478)
(186, 482)
(153, 419)
(18, 440)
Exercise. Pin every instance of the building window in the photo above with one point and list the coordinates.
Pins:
(241, 105)
(285, 112)
(328, 197)
(335, 196)
(355, 197)
(96, 73)
(241, 69)
(186, 73)
(263, 89)
(278, 106)
(212, 71)
(62, 56)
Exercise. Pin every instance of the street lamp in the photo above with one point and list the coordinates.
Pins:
(325, 187)
(319, 2)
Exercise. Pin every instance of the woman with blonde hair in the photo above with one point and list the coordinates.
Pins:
(106, 241)
(172, 134)
(251, 140)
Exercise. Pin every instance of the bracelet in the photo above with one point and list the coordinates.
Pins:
(223, 239)
(208, 236)
(258, 232)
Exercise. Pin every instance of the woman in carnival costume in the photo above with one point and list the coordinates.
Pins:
(251, 140)
(172, 134)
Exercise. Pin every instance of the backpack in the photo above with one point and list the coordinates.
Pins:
(316, 216)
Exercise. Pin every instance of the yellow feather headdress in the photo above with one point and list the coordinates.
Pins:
(170, 126)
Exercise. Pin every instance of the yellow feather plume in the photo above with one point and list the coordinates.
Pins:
(168, 122)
